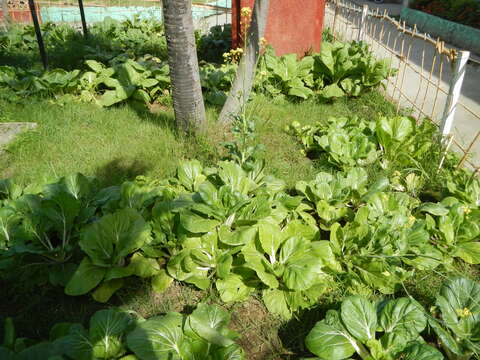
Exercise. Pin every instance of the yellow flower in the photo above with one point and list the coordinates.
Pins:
(246, 11)
(263, 42)
(463, 313)
(233, 55)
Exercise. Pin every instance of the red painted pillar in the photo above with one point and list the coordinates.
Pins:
(294, 26)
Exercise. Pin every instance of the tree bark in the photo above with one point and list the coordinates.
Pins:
(242, 86)
(182, 59)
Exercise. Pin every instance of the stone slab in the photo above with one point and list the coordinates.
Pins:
(8, 131)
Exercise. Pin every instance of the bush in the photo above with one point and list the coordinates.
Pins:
(213, 45)
(465, 12)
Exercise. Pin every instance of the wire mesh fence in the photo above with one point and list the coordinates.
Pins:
(429, 76)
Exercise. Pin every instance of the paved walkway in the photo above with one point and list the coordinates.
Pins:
(392, 9)
(420, 58)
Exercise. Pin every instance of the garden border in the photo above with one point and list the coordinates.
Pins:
(460, 35)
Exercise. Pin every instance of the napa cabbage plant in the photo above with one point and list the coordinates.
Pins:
(216, 82)
(41, 225)
(340, 142)
(457, 321)
(382, 245)
(340, 69)
(348, 69)
(111, 246)
(128, 80)
(113, 334)
(103, 339)
(288, 265)
(455, 226)
(285, 75)
(335, 197)
(385, 330)
(202, 335)
(465, 187)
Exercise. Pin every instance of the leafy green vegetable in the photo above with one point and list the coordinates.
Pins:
(343, 142)
(340, 69)
(114, 334)
(107, 243)
(458, 327)
(287, 265)
(203, 334)
(389, 330)
(455, 225)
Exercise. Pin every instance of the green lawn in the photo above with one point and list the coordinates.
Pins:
(121, 143)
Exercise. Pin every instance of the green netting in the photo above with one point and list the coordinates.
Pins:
(71, 14)
(462, 36)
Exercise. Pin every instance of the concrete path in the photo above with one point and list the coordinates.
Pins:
(392, 9)
(9, 130)
(420, 56)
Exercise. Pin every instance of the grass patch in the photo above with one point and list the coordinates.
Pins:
(121, 143)
(114, 145)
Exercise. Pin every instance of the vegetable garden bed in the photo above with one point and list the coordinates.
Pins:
(300, 210)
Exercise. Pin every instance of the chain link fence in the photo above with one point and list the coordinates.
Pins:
(430, 75)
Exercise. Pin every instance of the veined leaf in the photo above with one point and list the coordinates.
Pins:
(85, 278)
(468, 252)
(360, 317)
(115, 236)
(329, 340)
(209, 322)
(403, 316)
(276, 303)
(160, 337)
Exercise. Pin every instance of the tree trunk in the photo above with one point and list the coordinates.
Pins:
(183, 62)
(243, 83)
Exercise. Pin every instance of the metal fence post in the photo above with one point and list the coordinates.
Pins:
(82, 16)
(361, 26)
(405, 3)
(38, 33)
(455, 87)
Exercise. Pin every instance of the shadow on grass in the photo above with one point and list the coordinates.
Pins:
(156, 114)
(119, 170)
